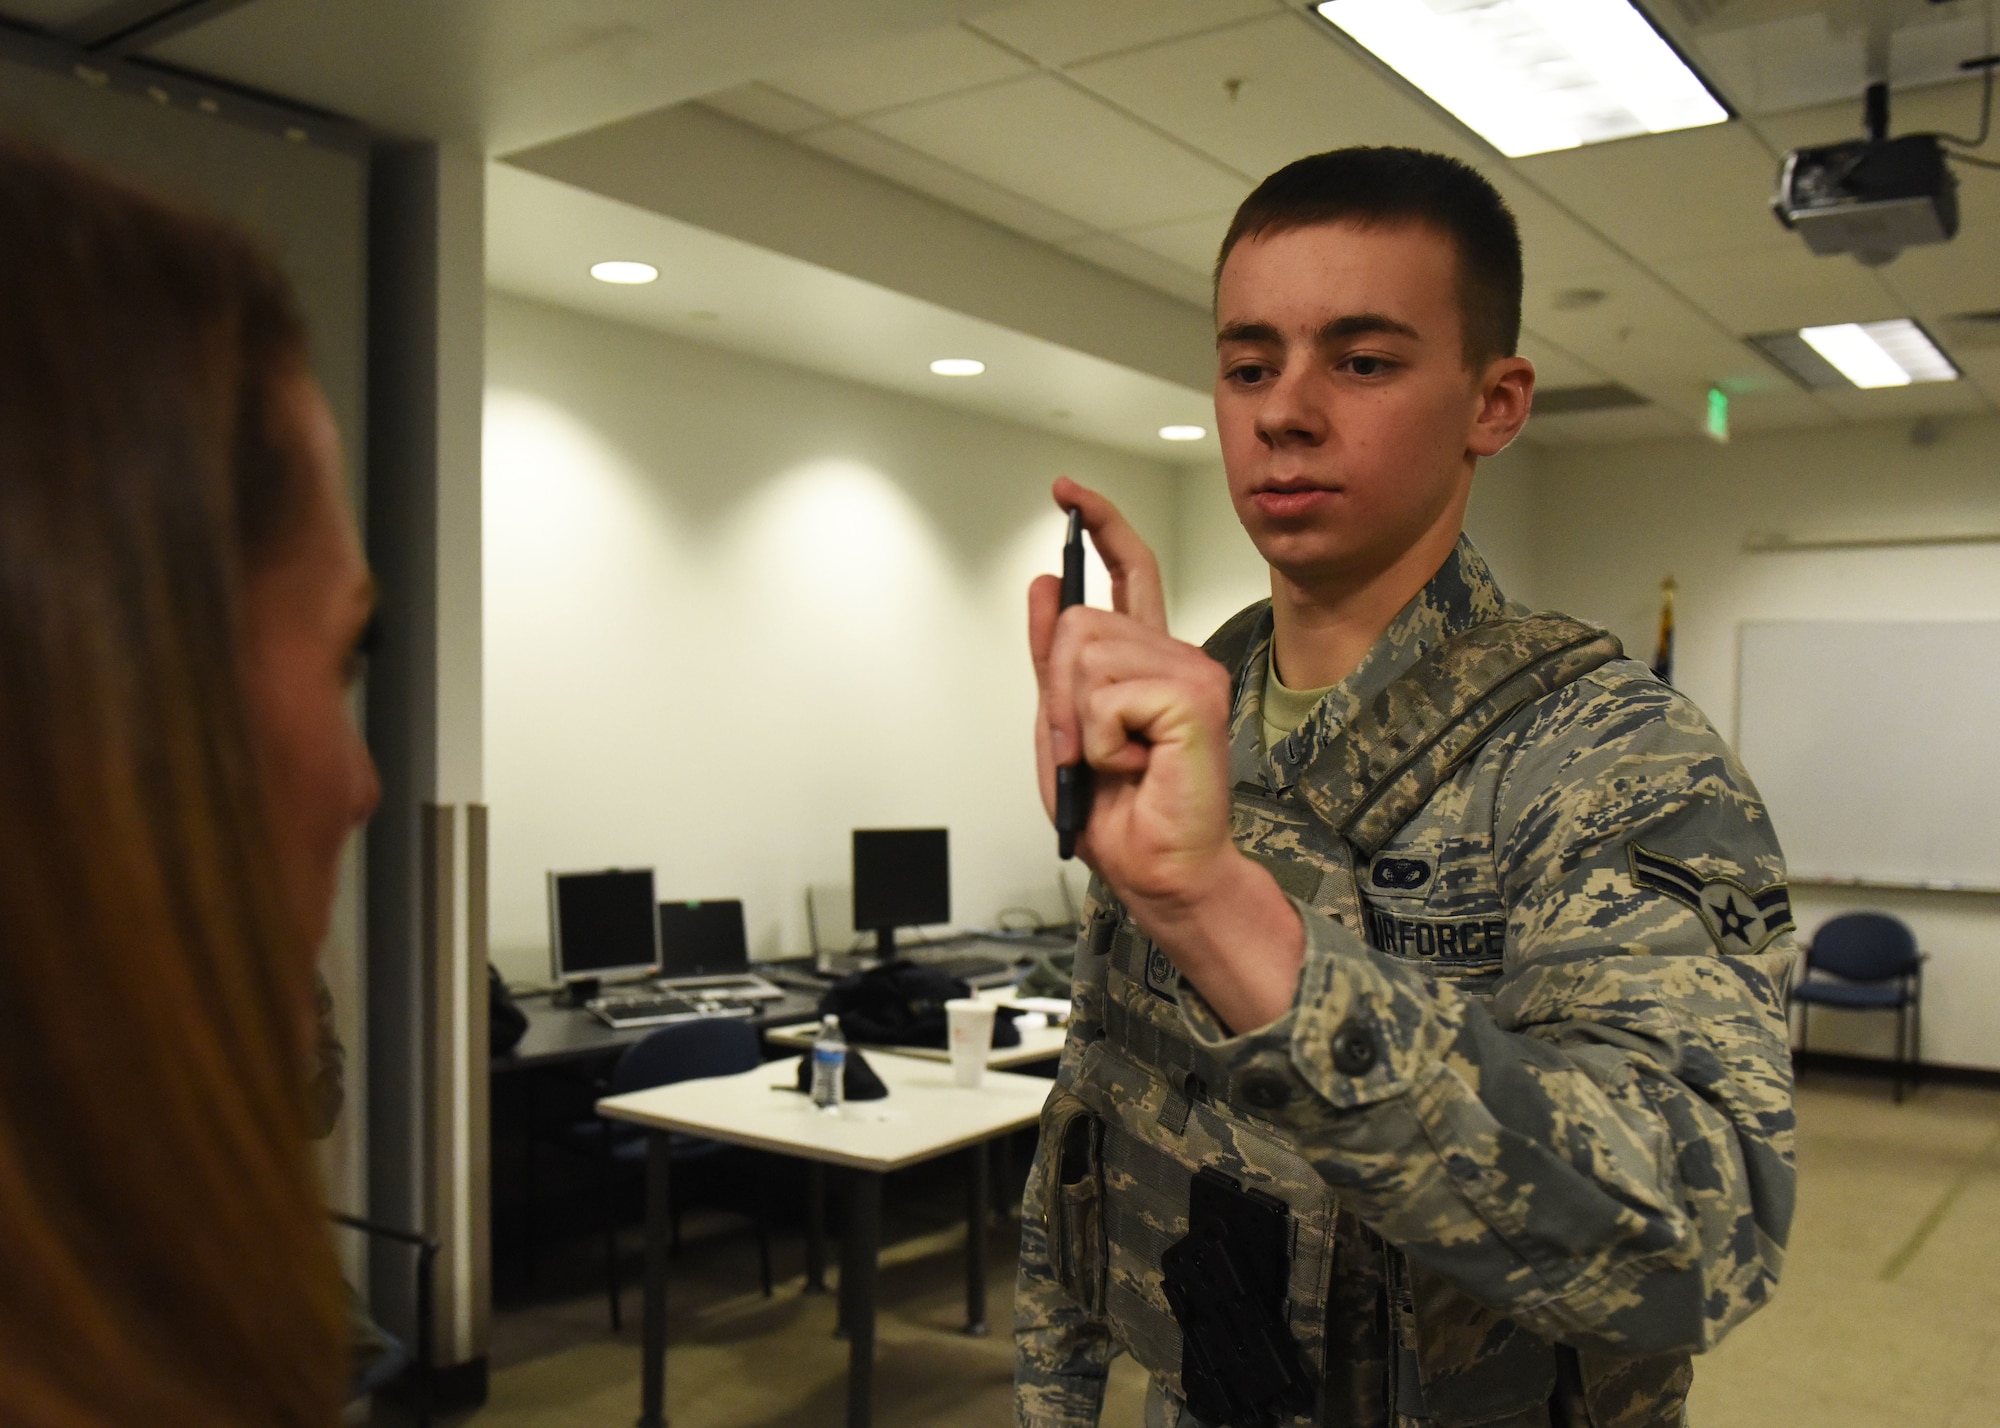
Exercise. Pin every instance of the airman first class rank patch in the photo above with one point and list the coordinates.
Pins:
(1739, 920)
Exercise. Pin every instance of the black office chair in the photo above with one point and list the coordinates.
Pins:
(682, 1051)
(396, 1362)
(1868, 961)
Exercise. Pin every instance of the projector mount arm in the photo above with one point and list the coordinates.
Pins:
(1986, 64)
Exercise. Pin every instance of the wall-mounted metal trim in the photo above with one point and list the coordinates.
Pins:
(443, 1074)
(478, 1040)
(1773, 543)
(1896, 885)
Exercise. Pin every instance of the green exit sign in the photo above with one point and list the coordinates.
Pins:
(1718, 414)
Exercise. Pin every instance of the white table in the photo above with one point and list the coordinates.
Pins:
(926, 1114)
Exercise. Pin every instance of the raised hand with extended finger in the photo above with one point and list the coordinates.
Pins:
(1149, 714)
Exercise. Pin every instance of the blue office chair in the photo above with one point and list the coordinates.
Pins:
(1868, 961)
(682, 1051)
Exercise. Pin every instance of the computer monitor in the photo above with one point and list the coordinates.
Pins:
(703, 939)
(902, 878)
(602, 924)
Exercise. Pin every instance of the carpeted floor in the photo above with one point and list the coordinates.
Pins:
(1889, 1314)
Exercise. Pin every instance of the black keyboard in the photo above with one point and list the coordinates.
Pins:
(631, 1009)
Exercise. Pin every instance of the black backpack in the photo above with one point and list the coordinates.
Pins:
(902, 1004)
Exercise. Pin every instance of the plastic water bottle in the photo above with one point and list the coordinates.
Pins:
(829, 1055)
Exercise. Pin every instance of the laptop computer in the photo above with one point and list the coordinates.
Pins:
(704, 971)
(703, 950)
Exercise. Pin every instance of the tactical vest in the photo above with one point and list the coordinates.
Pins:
(1147, 1107)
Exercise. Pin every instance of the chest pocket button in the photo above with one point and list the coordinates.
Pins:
(1266, 1090)
(1353, 1050)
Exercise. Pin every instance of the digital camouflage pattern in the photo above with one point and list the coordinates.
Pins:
(1532, 1108)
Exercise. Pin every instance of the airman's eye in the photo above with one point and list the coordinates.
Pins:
(1367, 366)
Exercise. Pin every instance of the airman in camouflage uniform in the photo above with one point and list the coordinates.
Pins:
(1535, 1091)
(1428, 1066)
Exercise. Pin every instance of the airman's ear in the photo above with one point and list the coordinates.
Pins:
(1506, 395)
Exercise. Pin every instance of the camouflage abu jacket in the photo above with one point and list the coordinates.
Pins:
(1531, 1113)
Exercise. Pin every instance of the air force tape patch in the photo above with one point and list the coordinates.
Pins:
(1738, 919)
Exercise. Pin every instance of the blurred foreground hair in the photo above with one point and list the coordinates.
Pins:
(163, 1251)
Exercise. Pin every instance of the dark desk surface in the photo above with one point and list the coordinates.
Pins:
(558, 1034)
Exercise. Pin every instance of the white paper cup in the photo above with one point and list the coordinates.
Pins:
(971, 1037)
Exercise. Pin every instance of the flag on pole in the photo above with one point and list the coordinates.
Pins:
(1663, 650)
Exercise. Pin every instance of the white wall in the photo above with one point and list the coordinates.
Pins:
(735, 609)
(1219, 571)
(1609, 523)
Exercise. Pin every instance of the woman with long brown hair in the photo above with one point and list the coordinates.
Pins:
(181, 593)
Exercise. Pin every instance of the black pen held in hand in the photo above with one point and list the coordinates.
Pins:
(1072, 780)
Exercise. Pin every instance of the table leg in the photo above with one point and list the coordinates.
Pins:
(860, 1245)
(815, 1227)
(976, 1212)
(653, 1336)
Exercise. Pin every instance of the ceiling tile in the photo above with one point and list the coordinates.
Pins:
(54, 14)
(1780, 54)
(1061, 32)
(1922, 399)
(1193, 242)
(1637, 331)
(1305, 90)
(1554, 367)
(893, 161)
(1964, 274)
(1637, 192)
(1301, 91)
(1108, 250)
(767, 109)
(898, 71)
(1945, 108)
(1047, 141)
(1982, 370)
(1765, 291)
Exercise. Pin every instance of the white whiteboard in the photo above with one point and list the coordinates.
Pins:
(1876, 746)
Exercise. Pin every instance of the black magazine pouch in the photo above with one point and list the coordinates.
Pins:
(1227, 1284)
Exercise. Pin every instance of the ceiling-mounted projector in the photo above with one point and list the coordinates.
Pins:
(1876, 196)
(1872, 198)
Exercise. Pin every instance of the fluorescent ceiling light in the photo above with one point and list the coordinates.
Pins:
(1531, 76)
(1183, 433)
(1881, 354)
(629, 273)
(958, 366)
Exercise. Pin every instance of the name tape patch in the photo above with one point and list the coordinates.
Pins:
(1739, 919)
(1461, 941)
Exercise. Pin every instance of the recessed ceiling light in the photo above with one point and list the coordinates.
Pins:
(1880, 354)
(629, 273)
(1532, 76)
(958, 366)
(1183, 433)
